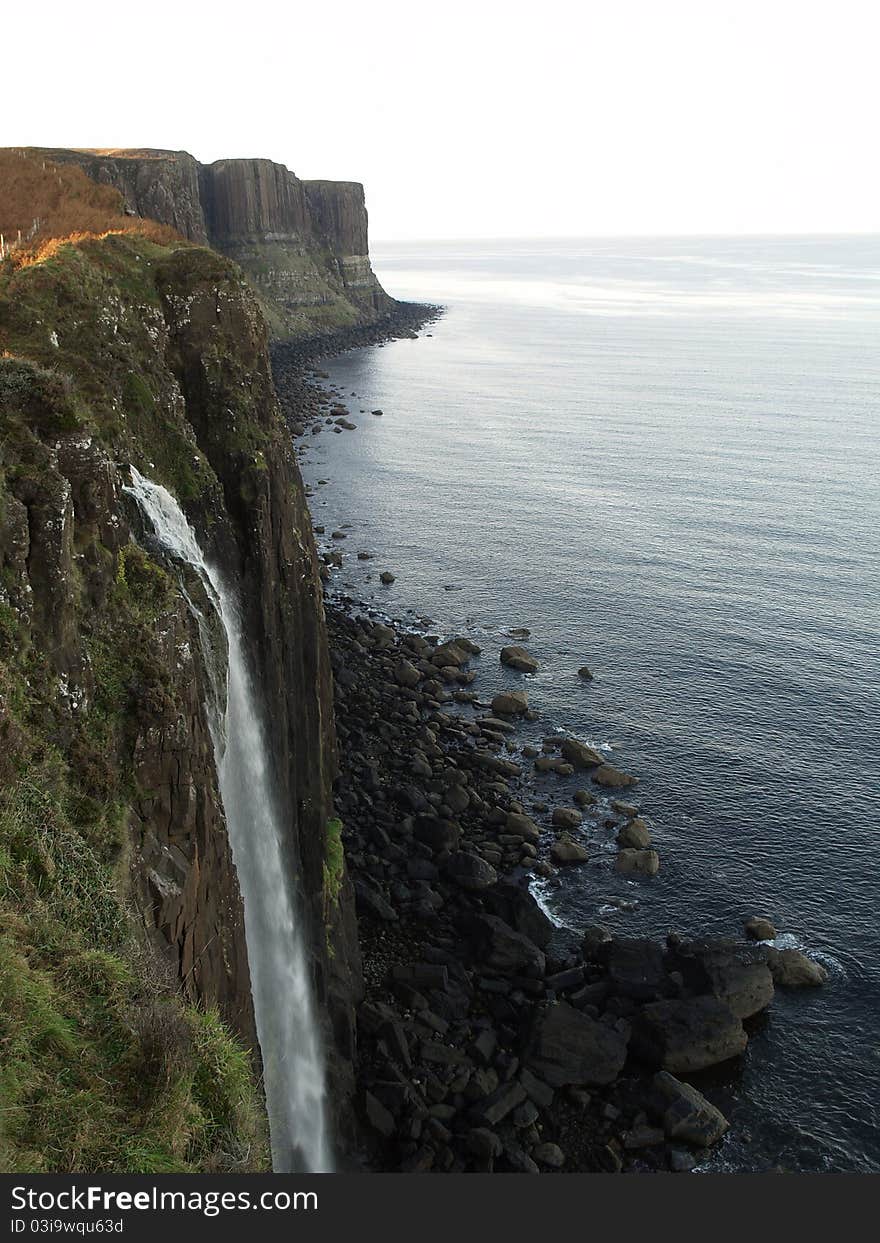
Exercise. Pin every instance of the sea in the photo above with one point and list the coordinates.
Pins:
(661, 456)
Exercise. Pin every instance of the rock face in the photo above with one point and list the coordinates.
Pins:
(161, 185)
(179, 347)
(302, 244)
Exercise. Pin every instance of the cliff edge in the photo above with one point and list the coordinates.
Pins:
(302, 244)
(127, 1024)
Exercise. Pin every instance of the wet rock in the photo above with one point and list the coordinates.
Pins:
(585, 673)
(569, 1048)
(736, 974)
(517, 907)
(634, 835)
(386, 577)
(449, 655)
(792, 969)
(567, 851)
(687, 1035)
(597, 939)
(566, 817)
(685, 1112)
(643, 862)
(456, 799)
(523, 826)
(759, 928)
(580, 755)
(519, 1160)
(624, 809)
(553, 764)
(613, 778)
(518, 658)
(510, 703)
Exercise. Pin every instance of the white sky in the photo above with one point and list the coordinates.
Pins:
(481, 119)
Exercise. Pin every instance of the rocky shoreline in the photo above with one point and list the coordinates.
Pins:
(489, 1039)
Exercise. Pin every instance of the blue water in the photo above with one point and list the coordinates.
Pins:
(663, 457)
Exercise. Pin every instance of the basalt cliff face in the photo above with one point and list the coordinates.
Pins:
(120, 351)
(302, 244)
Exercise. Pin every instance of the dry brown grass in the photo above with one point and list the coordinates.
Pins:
(51, 204)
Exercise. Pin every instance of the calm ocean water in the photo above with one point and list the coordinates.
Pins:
(663, 457)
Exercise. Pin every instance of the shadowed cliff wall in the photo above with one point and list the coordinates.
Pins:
(122, 351)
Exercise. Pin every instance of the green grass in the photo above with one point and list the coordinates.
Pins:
(103, 1067)
(334, 863)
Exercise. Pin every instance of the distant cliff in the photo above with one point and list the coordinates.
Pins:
(302, 244)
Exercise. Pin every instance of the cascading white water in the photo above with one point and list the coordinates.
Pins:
(292, 1065)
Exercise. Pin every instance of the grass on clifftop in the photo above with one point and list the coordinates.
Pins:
(43, 205)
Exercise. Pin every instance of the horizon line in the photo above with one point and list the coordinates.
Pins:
(634, 236)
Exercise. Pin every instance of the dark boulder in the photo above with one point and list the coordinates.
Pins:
(470, 871)
(508, 951)
(792, 969)
(685, 1113)
(569, 1048)
(439, 835)
(687, 1035)
(637, 969)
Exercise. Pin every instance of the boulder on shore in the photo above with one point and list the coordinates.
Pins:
(792, 969)
(735, 973)
(509, 951)
(566, 850)
(635, 835)
(642, 862)
(511, 703)
(570, 1048)
(580, 755)
(518, 658)
(566, 817)
(613, 778)
(683, 1036)
(523, 826)
(470, 872)
(685, 1112)
(759, 928)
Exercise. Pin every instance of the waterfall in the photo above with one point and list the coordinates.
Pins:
(283, 1006)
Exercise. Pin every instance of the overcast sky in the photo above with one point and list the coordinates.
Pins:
(483, 119)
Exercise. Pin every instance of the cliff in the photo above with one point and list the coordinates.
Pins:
(302, 244)
(128, 1051)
